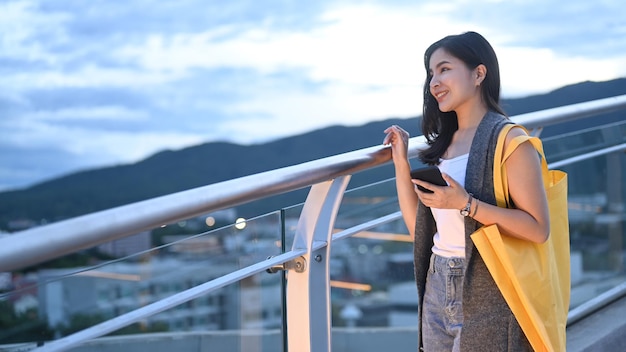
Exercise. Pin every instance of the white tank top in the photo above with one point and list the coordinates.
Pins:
(449, 241)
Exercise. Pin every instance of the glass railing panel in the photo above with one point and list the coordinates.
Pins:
(372, 282)
(291, 216)
(597, 225)
(596, 207)
(365, 203)
(584, 141)
(50, 303)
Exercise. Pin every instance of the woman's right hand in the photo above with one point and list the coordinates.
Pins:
(398, 138)
(407, 196)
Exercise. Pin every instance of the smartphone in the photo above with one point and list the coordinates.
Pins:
(429, 174)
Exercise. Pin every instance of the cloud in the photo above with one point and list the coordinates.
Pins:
(543, 45)
(355, 68)
(533, 70)
(101, 82)
(592, 29)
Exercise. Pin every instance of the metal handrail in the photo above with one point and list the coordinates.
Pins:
(565, 113)
(42, 243)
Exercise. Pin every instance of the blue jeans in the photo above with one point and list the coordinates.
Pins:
(442, 315)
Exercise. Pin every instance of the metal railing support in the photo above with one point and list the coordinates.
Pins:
(308, 292)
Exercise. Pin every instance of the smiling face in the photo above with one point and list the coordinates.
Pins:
(452, 83)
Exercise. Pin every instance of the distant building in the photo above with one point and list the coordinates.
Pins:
(5, 281)
(127, 245)
(403, 303)
(23, 291)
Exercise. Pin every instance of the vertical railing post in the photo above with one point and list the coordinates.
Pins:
(308, 290)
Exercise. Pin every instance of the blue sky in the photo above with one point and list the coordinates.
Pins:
(97, 83)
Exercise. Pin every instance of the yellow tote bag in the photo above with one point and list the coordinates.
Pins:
(533, 278)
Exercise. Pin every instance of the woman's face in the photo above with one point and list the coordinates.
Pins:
(452, 84)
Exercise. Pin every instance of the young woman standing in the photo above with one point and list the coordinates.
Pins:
(460, 306)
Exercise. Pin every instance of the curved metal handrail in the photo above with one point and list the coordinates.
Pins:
(50, 241)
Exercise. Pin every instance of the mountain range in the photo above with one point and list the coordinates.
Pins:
(172, 171)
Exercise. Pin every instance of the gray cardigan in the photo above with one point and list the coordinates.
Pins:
(488, 324)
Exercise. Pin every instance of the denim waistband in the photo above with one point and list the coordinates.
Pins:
(453, 266)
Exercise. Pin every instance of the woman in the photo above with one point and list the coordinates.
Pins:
(461, 308)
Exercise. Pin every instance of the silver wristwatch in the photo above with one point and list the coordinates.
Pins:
(466, 211)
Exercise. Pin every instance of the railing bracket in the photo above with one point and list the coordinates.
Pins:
(298, 265)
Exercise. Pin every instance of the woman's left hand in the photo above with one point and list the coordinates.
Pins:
(453, 196)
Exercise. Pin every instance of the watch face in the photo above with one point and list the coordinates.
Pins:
(466, 211)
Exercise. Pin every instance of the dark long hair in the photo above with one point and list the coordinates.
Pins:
(438, 127)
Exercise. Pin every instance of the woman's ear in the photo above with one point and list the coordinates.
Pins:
(481, 73)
